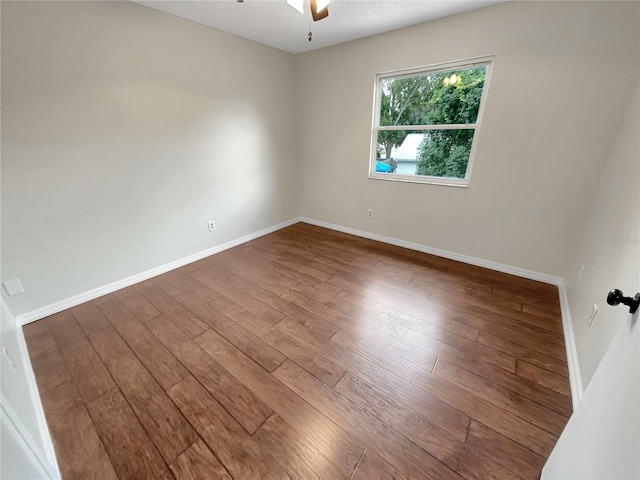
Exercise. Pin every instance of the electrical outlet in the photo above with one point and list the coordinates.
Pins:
(13, 287)
(594, 312)
(370, 213)
(212, 225)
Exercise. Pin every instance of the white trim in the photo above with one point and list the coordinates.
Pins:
(47, 310)
(499, 267)
(27, 444)
(485, 60)
(572, 358)
(575, 379)
(398, 177)
(51, 462)
(451, 126)
(45, 435)
(438, 67)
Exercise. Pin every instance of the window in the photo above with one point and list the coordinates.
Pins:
(426, 122)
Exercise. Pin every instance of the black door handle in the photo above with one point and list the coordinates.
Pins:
(616, 297)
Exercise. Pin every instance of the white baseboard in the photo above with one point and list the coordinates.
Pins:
(479, 262)
(572, 359)
(27, 460)
(575, 380)
(56, 307)
(572, 355)
(45, 458)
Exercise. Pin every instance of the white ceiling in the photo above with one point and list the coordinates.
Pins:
(274, 23)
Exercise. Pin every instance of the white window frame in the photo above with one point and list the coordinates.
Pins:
(435, 68)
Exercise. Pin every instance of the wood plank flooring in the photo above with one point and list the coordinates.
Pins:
(307, 353)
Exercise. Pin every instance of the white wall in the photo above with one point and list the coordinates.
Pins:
(123, 130)
(559, 88)
(609, 246)
(17, 461)
(24, 438)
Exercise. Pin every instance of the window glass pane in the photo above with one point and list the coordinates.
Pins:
(435, 153)
(437, 98)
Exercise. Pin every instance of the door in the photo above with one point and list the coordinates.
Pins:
(602, 438)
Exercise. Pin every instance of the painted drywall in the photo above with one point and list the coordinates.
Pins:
(24, 429)
(124, 130)
(609, 246)
(559, 89)
(18, 462)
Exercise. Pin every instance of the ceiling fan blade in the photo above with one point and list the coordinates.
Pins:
(318, 14)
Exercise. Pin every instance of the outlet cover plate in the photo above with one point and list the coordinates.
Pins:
(13, 287)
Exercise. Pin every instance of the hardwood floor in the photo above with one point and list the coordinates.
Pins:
(307, 353)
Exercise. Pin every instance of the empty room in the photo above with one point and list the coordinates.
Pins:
(320, 239)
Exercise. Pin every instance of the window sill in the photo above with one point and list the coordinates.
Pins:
(447, 182)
